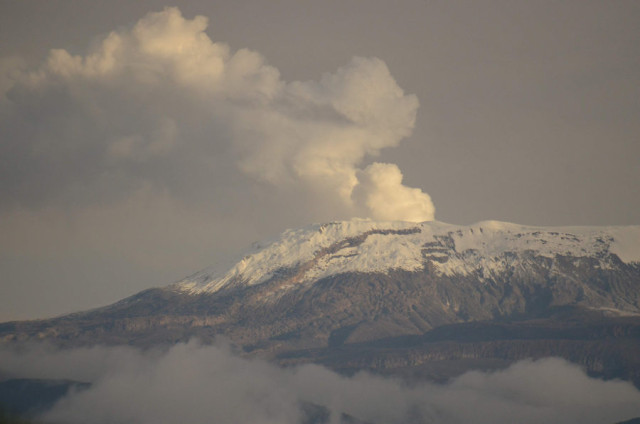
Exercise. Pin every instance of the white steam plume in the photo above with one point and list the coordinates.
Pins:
(380, 190)
(163, 105)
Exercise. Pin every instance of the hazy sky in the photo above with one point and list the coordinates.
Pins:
(139, 144)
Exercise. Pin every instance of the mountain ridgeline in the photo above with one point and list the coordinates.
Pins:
(422, 299)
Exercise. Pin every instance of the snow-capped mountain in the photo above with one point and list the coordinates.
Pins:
(501, 291)
(364, 246)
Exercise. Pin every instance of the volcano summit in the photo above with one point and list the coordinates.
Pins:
(396, 296)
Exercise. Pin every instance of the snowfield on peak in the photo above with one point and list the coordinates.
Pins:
(322, 250)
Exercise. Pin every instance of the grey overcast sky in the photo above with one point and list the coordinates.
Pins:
(139, 143)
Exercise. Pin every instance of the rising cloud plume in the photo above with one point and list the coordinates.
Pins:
(162, 105)
(203, 384)
(159, 151)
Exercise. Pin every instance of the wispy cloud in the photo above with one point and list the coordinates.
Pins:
(203, 384)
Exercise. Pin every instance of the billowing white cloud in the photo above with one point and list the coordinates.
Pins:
(380, 190)
(204, 384)
(159, 151)
(162, 104)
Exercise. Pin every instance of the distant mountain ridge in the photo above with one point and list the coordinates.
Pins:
(345, 285)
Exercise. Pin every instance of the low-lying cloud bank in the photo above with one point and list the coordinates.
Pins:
(194, 384)
(164, 105)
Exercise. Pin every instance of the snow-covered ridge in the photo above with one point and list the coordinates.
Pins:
(321, 250)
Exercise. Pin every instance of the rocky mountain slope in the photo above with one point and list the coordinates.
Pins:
(314, 292)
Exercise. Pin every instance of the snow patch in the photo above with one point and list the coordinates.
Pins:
(626, 243)
(322, 250)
